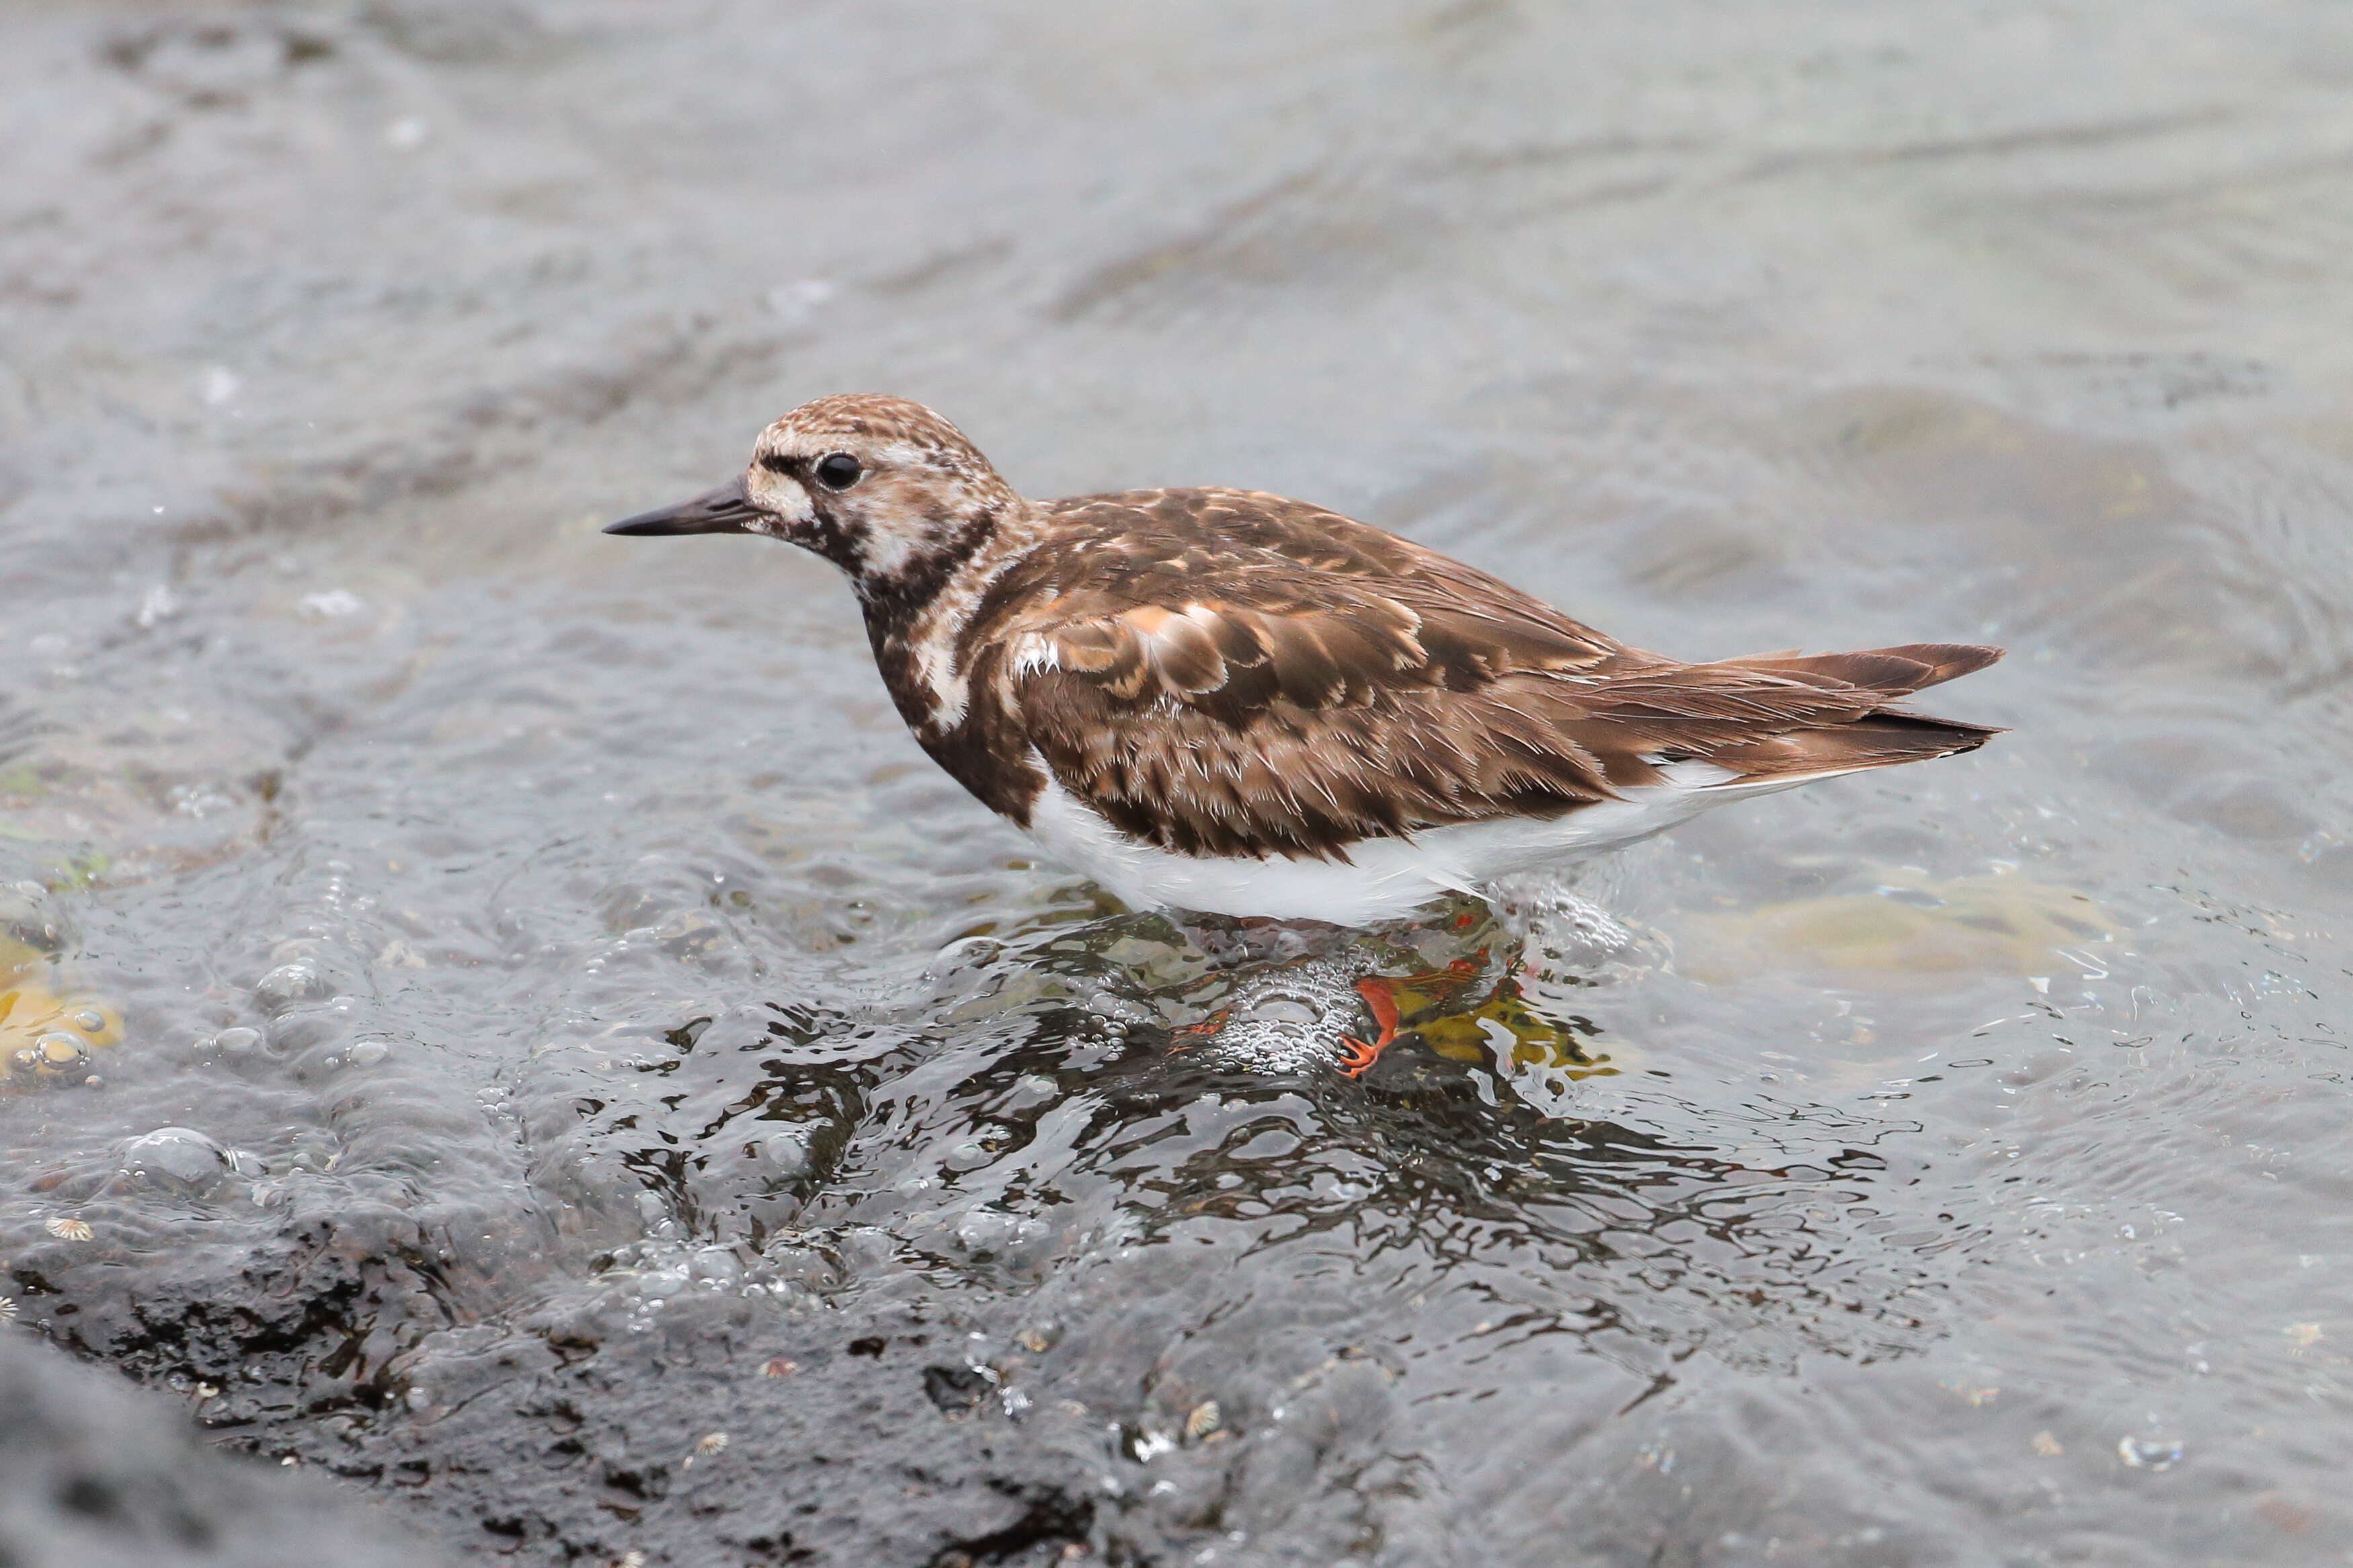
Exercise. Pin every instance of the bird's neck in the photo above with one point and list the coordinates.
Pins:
(913, 618)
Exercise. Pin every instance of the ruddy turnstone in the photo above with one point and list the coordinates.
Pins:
(1229, 702)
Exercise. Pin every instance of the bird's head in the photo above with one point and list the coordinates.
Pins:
(884, 487)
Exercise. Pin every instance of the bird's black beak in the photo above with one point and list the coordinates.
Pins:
(726, 510)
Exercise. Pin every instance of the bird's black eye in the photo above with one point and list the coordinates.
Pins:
(839, 471)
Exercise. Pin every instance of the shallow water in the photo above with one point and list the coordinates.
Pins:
(553, 992)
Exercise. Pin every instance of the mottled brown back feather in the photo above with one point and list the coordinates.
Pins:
(1230, 673)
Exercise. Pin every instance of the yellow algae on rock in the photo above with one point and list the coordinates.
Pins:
(48, 1031)
(1914, 933)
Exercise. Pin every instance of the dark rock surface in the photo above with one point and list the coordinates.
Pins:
(730, 1435)
(96, 1475)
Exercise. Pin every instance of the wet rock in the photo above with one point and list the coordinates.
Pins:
(96, 1475)
(958, 1390)
(853, 1457)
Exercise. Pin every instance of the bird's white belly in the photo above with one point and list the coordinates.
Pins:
(1383, 877)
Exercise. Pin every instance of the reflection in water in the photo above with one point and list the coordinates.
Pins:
(1054, 1125)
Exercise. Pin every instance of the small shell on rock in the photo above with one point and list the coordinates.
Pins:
(68, 1229)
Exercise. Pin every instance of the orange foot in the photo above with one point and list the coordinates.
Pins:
(1380, 994)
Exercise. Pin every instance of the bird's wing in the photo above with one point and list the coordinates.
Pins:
(1220, 672)
(1230, 598)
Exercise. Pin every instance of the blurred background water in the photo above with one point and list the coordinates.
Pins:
(507, 1014)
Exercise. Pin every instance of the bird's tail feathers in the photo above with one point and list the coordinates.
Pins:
(1884, 737)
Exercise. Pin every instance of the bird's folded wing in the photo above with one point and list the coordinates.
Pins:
(1289, 681)
(1193, 776)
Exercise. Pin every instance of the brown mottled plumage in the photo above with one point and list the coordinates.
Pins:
(1174, 686)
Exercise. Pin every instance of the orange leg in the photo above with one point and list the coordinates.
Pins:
(1380, 995)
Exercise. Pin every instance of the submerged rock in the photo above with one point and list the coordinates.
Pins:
(49, 1031)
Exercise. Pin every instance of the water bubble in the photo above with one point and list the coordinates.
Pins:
(58, 1049)
(288, 983)
(1280, 1009)
(1117, 1009)
(367, 1053)
(174, 1159)
(1031, 1089)
(237, 1042)
(985, 1230)
(299, 1031)
(716, 1263)
(787, 1153)
(801, 1266)
(965, 957)
(2149, 1453)
(866, 1246)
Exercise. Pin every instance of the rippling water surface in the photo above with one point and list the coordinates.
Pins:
(509, 1015)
